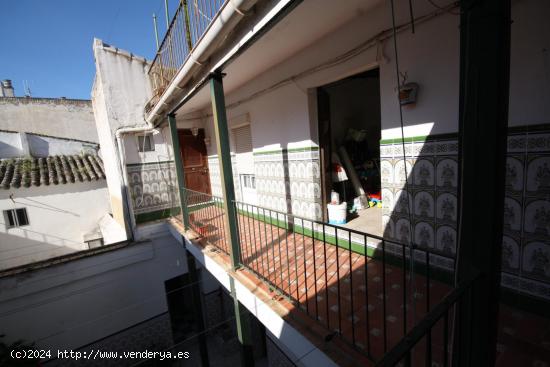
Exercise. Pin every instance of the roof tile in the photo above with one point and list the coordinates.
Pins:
(53, 170)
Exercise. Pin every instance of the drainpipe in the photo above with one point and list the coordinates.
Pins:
(121, 161)
(227, 19)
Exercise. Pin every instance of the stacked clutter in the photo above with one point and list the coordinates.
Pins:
(357, 168)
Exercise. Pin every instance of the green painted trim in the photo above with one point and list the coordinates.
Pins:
(420, 139)
(283, 150)
(146, 163)
(535, 128)
(195, 207)
(524, 302)
(156, 215)
(435, 273)
(529, 128)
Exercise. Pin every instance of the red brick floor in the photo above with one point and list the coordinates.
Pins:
(328, 283)
(344, 291)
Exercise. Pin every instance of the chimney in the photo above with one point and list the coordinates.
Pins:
(6, 89)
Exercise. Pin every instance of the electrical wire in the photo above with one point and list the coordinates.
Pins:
(374, 41)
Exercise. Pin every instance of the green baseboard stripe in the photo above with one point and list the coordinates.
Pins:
(147, 163)
(524, 302)
(439, 274)
(420, 139)
(156, 215)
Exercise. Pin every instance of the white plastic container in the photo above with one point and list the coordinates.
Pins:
(337, 213)
(334, 198)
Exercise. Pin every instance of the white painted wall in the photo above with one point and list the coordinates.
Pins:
(281, 117)
(44, 146)
(65, 118)
(162, 152)
(79, 302)
(10, 144)
(13, 144)
(59, 216)
(121, 89)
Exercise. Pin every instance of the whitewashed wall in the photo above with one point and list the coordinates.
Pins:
(76, 303)
(65, 118)
(121, 89)
(59, 217)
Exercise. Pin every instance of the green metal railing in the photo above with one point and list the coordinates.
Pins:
(190, 22)
(329, 272)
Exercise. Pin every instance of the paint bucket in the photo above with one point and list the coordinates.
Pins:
(337, 213)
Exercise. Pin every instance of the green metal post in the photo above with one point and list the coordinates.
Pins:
(187, 25)
(197, 306)
(483, 133)
(242, 318)
(226, 173)
(156, 31)
(179, 168)
(166, 14)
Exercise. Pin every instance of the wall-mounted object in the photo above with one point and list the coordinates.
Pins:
(408, 93)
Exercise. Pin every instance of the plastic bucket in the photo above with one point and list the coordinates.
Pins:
(337, 213)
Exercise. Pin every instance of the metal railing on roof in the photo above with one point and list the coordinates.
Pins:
(190, 22)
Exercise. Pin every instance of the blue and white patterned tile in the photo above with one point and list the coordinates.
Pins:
(446, 239)
(514, 174)
(424, 173)
(424, 234)
(386, 151)
(403, 202)
(538, 175)
(152, 187)
(447, 174)
(512, 215)
(402, 171)
(403, 230)
(424, 204)
(537, 218)
(510, 254)
(517, 143)
(447, 205)
(538, 142)
(536, 260)
(446, 147)
(386, 171)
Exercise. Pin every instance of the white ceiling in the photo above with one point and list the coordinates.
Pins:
(309, 21)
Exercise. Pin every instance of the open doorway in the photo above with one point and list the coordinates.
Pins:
(349, 141)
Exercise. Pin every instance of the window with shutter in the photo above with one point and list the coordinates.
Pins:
(242, 139)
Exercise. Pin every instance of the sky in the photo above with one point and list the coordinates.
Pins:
(48, 43)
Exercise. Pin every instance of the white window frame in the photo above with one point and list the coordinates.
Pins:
(15, 218)
(151, 142)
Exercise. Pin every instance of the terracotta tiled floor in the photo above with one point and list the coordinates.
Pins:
(344, 292)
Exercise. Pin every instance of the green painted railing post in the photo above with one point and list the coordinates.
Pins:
(187, 25)
(242, 317)
(226, 172)
(179, 168)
